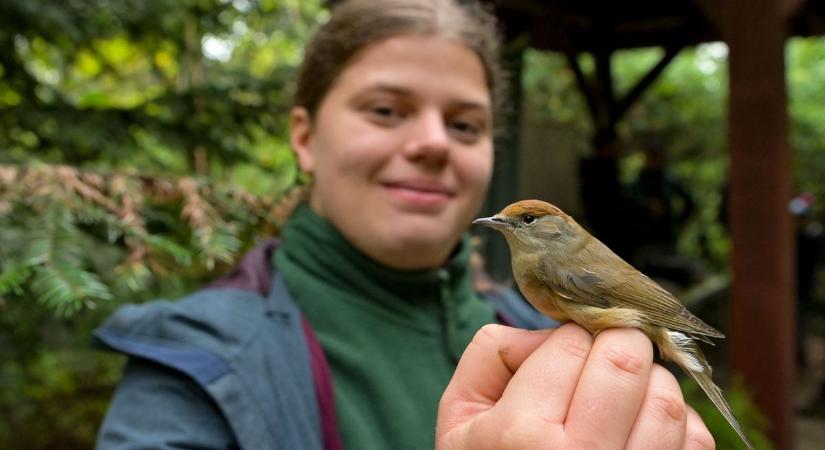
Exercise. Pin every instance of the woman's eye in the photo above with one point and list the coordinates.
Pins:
(466, 128)
(527, 219)
(465, 132)
(384, 114)
(384, 111)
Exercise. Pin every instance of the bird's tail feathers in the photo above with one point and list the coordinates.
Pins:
(690, 358)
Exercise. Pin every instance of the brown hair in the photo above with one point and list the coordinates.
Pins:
(355, 24)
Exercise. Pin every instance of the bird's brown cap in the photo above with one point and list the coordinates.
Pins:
(536, 208)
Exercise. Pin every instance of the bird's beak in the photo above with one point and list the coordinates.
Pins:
(494, 222)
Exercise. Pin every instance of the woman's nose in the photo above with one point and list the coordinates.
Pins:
(429, 140)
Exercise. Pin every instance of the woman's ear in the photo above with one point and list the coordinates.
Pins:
(300, 132)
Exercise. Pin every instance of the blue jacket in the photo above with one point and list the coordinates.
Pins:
(233, 366)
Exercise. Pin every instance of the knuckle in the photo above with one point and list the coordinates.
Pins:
(515, 438)
(492, 328)
(670, 405)
(511, 431)
(575, 340)
(576, 345)
(624, 360)
(488, 333)
(582, 441)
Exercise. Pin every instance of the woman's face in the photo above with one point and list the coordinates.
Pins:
(401, 149)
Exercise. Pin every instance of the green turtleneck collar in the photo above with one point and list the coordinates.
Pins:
(392, 338)
(314, 246)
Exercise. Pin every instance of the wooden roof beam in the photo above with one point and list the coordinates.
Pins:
(605, 109)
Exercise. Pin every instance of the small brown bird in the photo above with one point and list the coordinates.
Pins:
(567, 274)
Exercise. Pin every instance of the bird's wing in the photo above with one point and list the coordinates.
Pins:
(627, 287)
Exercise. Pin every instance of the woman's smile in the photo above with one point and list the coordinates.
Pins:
(420, 194)
(401, 149)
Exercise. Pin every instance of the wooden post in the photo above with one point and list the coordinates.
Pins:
(763, 300)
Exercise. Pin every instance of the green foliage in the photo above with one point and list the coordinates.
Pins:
(685, 110)
(77, 238)
(96, 99)
(805, 92)
(55, 388)
(158, 85)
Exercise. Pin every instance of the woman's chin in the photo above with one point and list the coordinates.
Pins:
(420, 248)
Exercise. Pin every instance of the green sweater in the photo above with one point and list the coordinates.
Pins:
(392, 338)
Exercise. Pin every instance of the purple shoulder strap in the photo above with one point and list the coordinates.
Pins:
(322, 376)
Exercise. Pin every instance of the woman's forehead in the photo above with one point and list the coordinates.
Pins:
(407, 63)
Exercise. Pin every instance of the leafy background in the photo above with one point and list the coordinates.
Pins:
(143, 148)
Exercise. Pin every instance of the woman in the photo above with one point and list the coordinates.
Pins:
(347, 334)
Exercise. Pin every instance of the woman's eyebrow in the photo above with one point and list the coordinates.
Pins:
(406, 92)
(385, 87)
(469, 104)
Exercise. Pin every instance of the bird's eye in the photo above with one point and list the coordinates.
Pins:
(528, 219)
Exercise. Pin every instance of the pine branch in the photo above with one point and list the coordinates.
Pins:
(60, 221)
(12, 279)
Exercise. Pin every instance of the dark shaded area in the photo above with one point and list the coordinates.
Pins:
(810, 247)
(641, 222)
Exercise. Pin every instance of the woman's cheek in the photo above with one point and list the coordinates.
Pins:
(478, 172)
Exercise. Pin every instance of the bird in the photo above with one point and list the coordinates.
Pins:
(569, 275)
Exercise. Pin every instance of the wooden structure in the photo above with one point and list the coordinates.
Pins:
(762, 295)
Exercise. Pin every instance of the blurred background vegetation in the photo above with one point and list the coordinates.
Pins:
(143, 148)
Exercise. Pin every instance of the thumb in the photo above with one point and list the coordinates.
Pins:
(482, 374)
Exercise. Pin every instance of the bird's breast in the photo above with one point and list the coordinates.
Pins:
(540, 295)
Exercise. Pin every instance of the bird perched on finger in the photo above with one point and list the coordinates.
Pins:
(567, 274)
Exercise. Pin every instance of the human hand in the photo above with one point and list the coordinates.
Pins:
(564, 389)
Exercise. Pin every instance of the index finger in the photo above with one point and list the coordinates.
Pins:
(547, 380)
